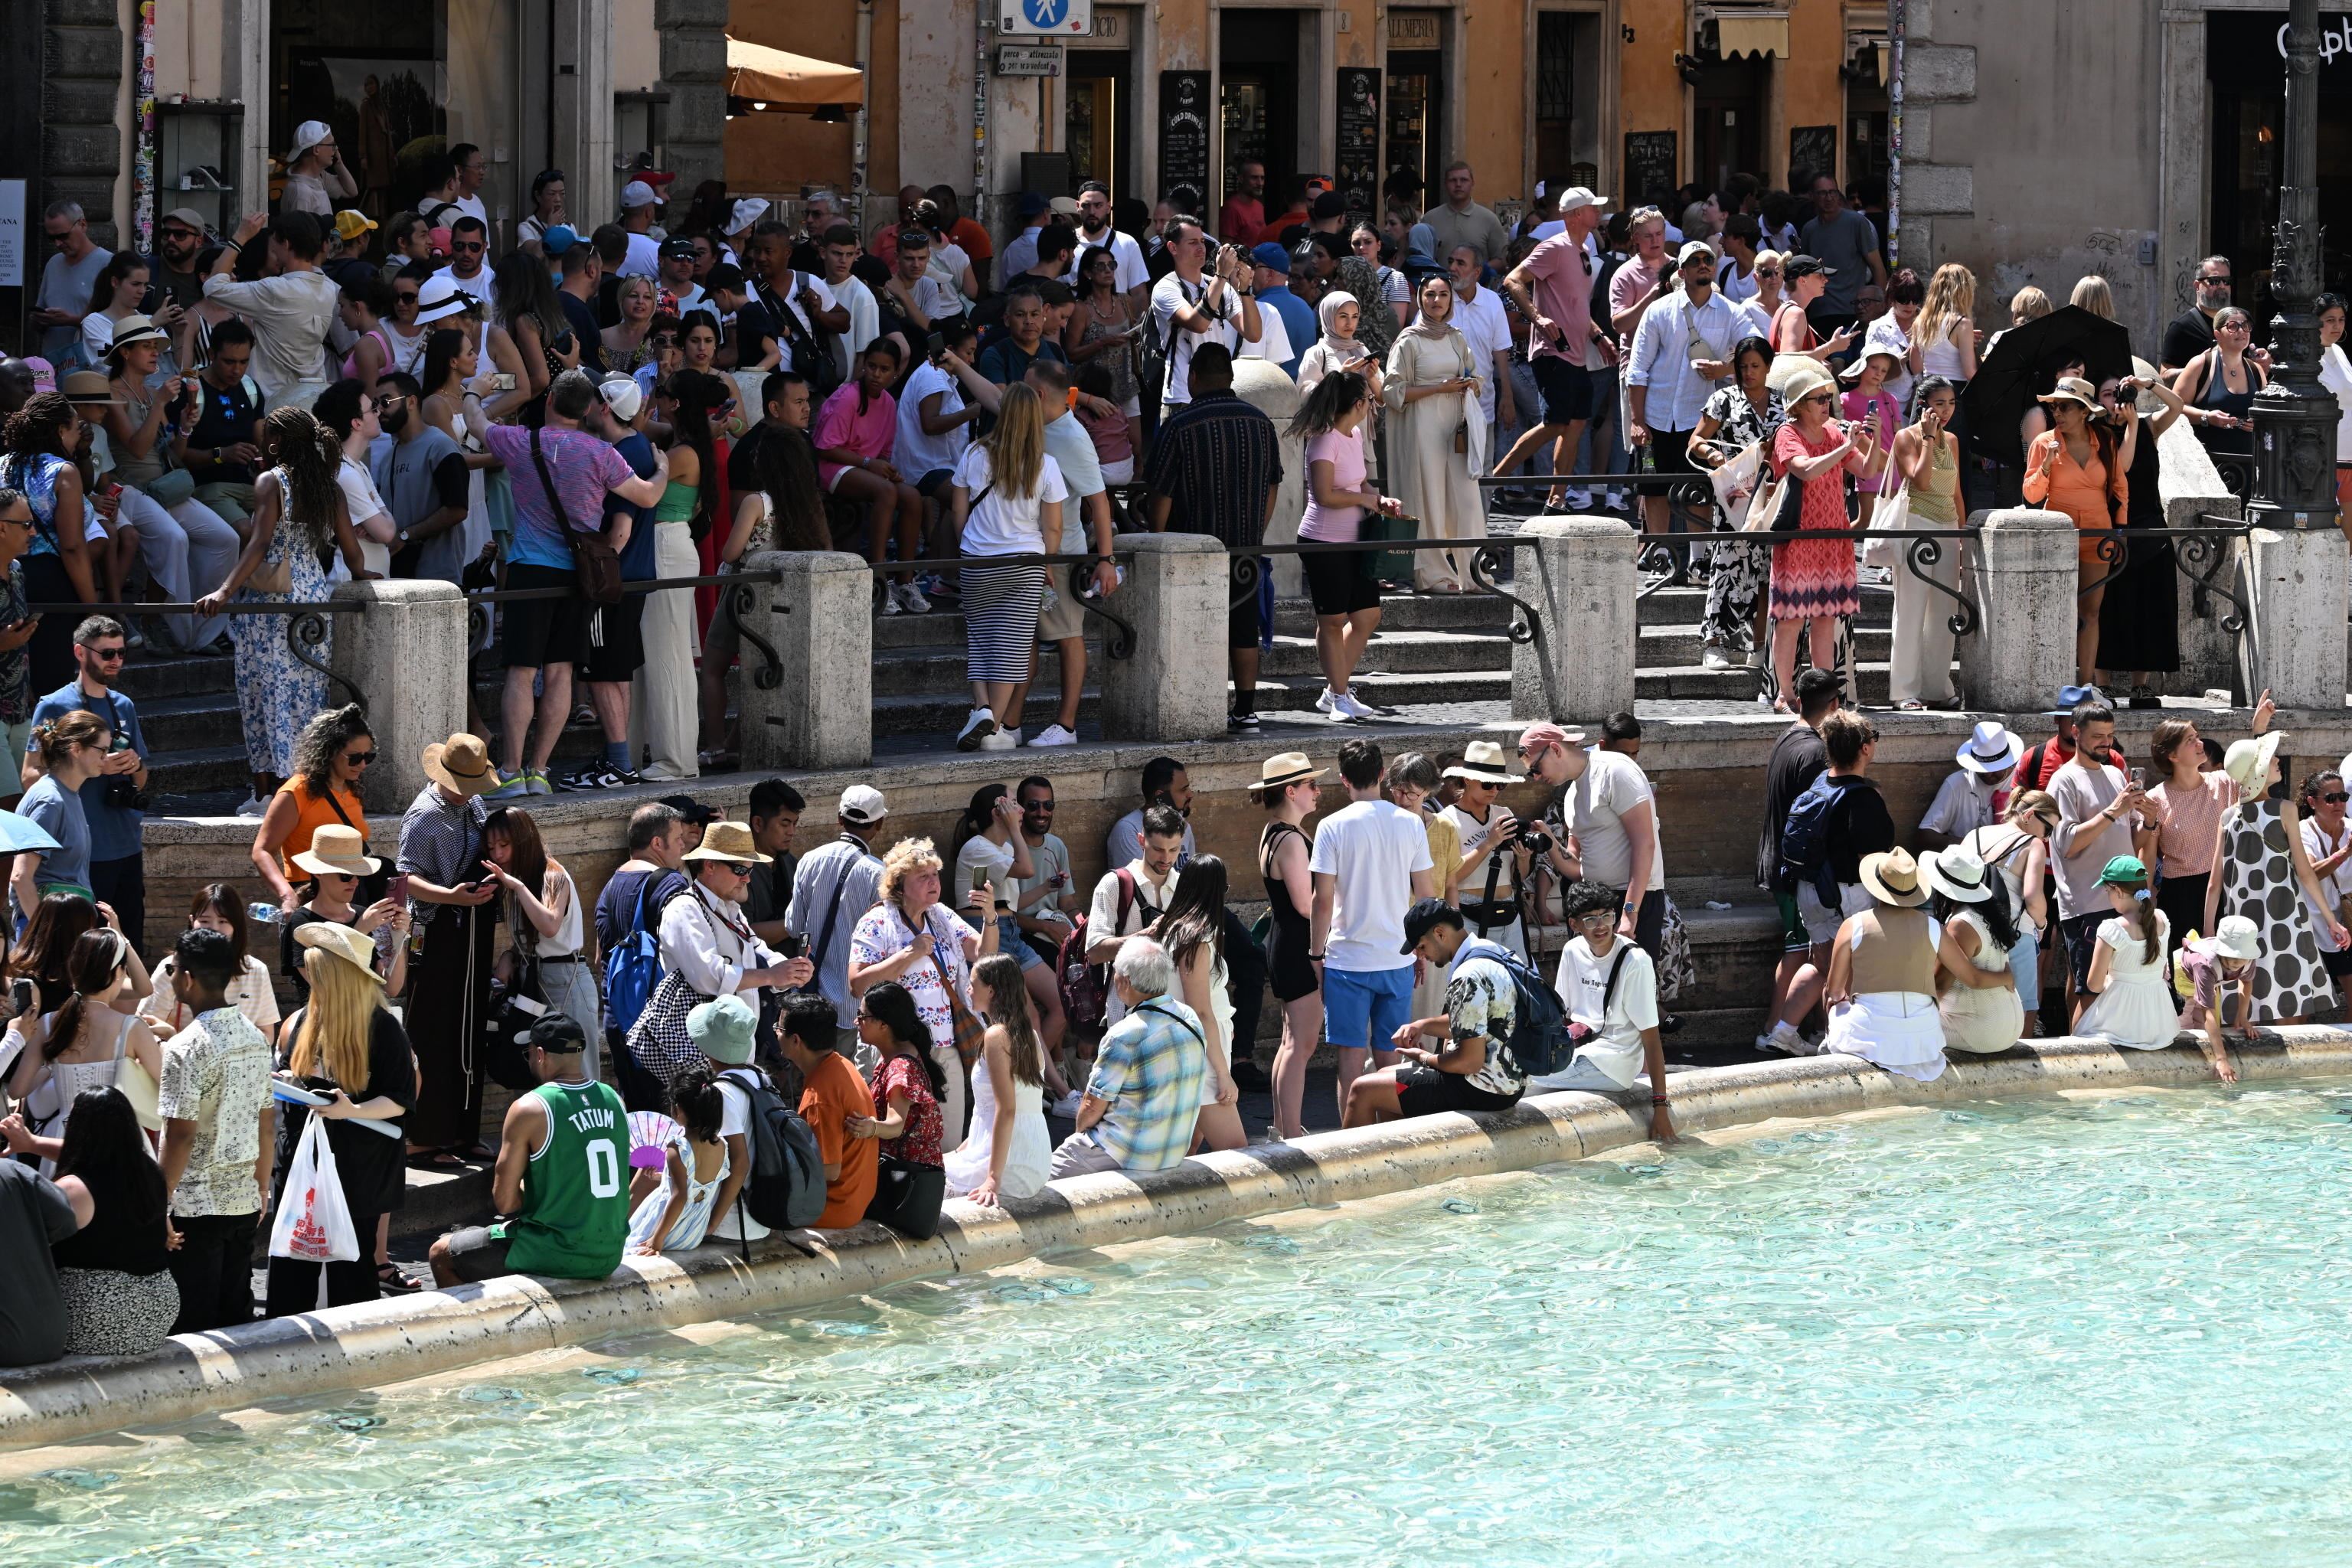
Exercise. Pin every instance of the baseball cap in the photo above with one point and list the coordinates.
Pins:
(638, 193)
(350, 224)
(558, 239)
(1273, 258)
(693, 810)
(1803, 266)
(1425, 917)
(307, 135)
(188, 215)
(559, 1032)
(863, 805)
(623, 396)
(1330, 204)
(679, 247)
(1576, 198)
(746, 213)
(1695, 251)
(1031, 204)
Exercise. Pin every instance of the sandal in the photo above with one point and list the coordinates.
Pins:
(389, 1278)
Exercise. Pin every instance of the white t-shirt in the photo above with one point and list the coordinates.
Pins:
(865, 320)
(1488, 330)
(1615, 1046)
(1962, 804)
(1273, 343)
(917, 453)
(978, 855)
(1371, 848)
(1005, 524)
(2335, 375)
(479, 286)
(1123, 251)
(2316, 846)
(1613, 785)
(644, 258)
(735, 1122)
(1168, 295)
(363, 500)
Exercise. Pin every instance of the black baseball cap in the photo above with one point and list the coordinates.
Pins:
(1425, 917)
(693, 810)
(560, 1033)
(1803, 266)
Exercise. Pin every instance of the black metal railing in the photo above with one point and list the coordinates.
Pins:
(1485, 567)
(306, 624)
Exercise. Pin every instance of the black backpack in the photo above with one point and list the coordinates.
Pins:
(785, 1189)
(811, 354)
(1805, 837)
(1539, 1042)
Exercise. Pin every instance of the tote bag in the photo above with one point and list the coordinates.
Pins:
(1892, 514)
(314, 1224)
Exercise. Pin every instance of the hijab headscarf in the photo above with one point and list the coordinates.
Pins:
(1360, 280)
(1328, 312)
(1420, 325)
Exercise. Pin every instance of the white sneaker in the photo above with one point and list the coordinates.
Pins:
(977, 726)
(1323, 705)
(1345, 703)
(910, 598)
(1579, 500)
(889, 606)
(1052, 735)
(252, 807)
(1714, 656)
(1783, 1040)
(1001, 741)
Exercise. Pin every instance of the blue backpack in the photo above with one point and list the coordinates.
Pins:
(1539, 1041)
(633, 968)
(1805, 837)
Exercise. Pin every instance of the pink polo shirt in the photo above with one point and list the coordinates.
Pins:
(840, 427)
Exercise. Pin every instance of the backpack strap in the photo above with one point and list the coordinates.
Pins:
(1127, 897)
(832, 919)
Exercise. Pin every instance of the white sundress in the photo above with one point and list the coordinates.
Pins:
(2136, 1009)
(1025, 1163)
(693, 1221)
(1988, 1019)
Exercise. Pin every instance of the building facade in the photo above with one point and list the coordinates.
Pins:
(1631, 97)
(2041, 143)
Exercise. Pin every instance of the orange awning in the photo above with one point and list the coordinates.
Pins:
(773, 79)
(1760, 32)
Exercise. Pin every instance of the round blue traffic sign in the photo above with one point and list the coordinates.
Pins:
(1045, 15)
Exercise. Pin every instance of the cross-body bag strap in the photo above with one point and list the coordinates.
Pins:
(1609, 990)
(832, 919)
(547, 483)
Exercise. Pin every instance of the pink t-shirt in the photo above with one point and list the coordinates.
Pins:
(840, 427)
(1563, 292)
(1344, 450)
(1888, 419)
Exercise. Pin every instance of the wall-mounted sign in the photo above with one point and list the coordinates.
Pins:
(12, 234)
(1358, 167)
(1412, 30)
(1184, 133)
(1028, 60)
(1064, 16)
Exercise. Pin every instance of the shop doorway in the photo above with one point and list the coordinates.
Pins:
(1094, 120)
(1729, 106)
(1417, 154)
(1566, 94)
(2246, 160)
(373, 72)
(1258, 98)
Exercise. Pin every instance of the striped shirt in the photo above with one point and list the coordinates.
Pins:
(1215, 461)
(441, 842)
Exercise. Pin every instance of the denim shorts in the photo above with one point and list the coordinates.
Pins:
(1364, 1008)
(1009, 941)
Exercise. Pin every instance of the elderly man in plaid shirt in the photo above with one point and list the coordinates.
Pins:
(1150, 1070)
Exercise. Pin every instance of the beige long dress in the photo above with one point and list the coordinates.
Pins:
(1434, 481)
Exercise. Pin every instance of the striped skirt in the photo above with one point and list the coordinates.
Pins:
(1000, 619)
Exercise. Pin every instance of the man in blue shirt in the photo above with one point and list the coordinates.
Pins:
(113, 800)
(1299, 323)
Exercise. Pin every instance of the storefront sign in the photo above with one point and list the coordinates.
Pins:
(1358, 170)
(12, 234)
(1812, 150)
(2335, 39)
(1412, 30)
(1044, 16)
(1028, 60)
(1184, 133)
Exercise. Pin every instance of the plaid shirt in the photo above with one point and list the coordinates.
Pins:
(1150, 1068)
(1216, 460)
(442, 843)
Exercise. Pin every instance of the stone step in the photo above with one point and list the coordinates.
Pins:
(205, 772)
(1686, 605)
(1662, 647)
(147, 677)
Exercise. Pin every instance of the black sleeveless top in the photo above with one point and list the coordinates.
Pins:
(117, 1237)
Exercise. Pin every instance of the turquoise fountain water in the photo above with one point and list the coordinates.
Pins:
(2033, 1332)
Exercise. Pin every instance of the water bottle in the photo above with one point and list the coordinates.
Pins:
(262, 914)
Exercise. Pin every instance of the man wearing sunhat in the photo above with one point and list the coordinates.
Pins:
(564, 1161)
(1977, 793)
(315, 176)
(1492, 853)
(1681, 353)
(448, 895)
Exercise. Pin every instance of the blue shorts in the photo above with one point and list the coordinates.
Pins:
(1009, 942)
(1364, 1008)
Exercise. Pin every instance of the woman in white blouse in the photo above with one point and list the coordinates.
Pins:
(1438, 440)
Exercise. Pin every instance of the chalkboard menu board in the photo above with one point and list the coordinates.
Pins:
(1812, 150)
(1358, 167)
(1184, 136)
(1649, 167)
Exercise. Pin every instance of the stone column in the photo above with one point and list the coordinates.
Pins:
(815, 706)
(2298, 622)
(1580, 577)
(694, 70)
(1172, 687)
(2026, 581)
(1276, 395)
(2192, 492)
(407, 654)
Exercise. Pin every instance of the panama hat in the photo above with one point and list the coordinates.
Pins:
(462, 763)
(337, 850)
(88, 386)
(437, 299)
(1283, 770)
(1956, 874)
(1991, 748)
(1893, 878)
(2073, 389)
(137, 329)
(1483, 762)
(343, 942)
(728, 841)
(2249, 761)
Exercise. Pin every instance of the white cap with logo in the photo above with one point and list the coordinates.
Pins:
(863, 805)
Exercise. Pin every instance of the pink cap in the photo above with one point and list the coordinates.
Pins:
(1549, 735)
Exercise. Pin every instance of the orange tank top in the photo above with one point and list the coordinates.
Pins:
(312, 813)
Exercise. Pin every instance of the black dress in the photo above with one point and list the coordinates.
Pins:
(2139, 627)
(1289, 970)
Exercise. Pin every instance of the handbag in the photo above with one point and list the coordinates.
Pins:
(907, 1198)
(170, 488)
(1738, 473)
(271, 577)
(1391, 565)
(1890, 513)
(970, 1032)
(598, 563)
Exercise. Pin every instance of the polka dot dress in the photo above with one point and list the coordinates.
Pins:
(2258, 881)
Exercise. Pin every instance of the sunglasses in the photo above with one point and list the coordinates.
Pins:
(405, 296)
(359, 759)
(106, 655)
(2335, 797)
(466, 247)
(1026, 806)
(740, 869)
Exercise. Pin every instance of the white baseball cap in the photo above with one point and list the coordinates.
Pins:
(1576, 198)
(747, 212)
(623, 396)
(308, 134)
(638, 193)
(862, 804)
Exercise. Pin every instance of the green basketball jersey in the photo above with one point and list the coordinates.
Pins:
(575, 1190)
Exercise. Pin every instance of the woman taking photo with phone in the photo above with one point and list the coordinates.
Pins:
(1102, 330)
(1814, 585)
(1927, 463)
(2079, 467)
(1347, 598)
(2218, 386)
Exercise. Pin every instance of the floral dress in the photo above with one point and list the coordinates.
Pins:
(277, 693)
(919, 1144)
(1734, 584)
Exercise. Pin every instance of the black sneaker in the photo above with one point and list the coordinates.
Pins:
(1240, 721)
(599, 775)
(1248, 1075)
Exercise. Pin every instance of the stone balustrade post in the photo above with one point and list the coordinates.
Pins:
(1580, 577)
(1262, 385)
(1172, 686)
(407, 653)
(810, 705)
(2192, 491)
(2299, 593)
(2026, 572)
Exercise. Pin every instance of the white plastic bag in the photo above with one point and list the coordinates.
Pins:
(313, 1223)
